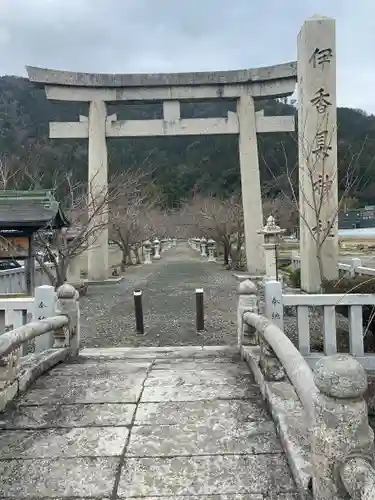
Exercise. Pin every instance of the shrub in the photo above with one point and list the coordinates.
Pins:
(240, 264)
(283, 263)
(355, 284)
(286, 269)
(295, 278)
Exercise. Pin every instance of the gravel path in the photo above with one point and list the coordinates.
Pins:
(107, 312)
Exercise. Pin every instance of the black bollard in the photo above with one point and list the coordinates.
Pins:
(139, 326)
(199, 309)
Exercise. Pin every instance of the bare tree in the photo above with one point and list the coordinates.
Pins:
(134, 217)
(124, 208)
(8, 174)
(88, 214)
(221, 219)
(157, 221)
(283, 210)
(178, 222)
(316, 193)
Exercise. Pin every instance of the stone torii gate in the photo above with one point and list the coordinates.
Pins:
(245, 86)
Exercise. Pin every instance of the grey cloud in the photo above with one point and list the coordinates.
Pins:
(171, 35)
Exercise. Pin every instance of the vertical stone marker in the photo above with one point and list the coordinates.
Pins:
(97, 186)
(317, 139)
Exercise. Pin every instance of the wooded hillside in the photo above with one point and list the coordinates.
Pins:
(181, 165)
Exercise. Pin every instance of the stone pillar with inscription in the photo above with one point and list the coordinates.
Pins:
(317, 142)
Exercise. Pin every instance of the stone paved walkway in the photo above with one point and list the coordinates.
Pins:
(168, 285)
(125, 423)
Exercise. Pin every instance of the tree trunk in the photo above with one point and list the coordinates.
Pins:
(320, 266)
(61, 271)
(129, 259)
(137, 256)
(123, 260)
(226, 253)
(126, 259)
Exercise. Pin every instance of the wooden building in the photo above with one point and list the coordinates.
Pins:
(22, 214)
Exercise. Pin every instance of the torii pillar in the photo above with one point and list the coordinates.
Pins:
(97, 262)
(250, 182)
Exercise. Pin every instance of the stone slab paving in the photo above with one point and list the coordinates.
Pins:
(168, 285)
(172, 424)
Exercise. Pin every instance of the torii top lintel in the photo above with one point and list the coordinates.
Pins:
(58, 77)
(272, 81)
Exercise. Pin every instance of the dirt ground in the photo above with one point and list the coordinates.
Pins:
(168, 286)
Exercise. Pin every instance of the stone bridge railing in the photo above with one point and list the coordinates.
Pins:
(321, 415)
(356, 307)
(13, 281)
(17, 372)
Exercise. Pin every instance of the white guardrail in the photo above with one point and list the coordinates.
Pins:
(355, 267)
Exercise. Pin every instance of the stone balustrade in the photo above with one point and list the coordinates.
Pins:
(17, 372)
(358, 478)
(276, 301)
(17, 311)
(321, 415)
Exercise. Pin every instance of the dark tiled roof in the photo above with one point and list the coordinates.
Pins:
(33, 209)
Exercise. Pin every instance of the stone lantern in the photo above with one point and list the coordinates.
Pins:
(174, 242)
(271, 233)
(211, 246)
(163, 245)
(147, 252)
(197, 244)
(156, 244)
(203, 247)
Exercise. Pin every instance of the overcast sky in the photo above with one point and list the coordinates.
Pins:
(128, 36)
